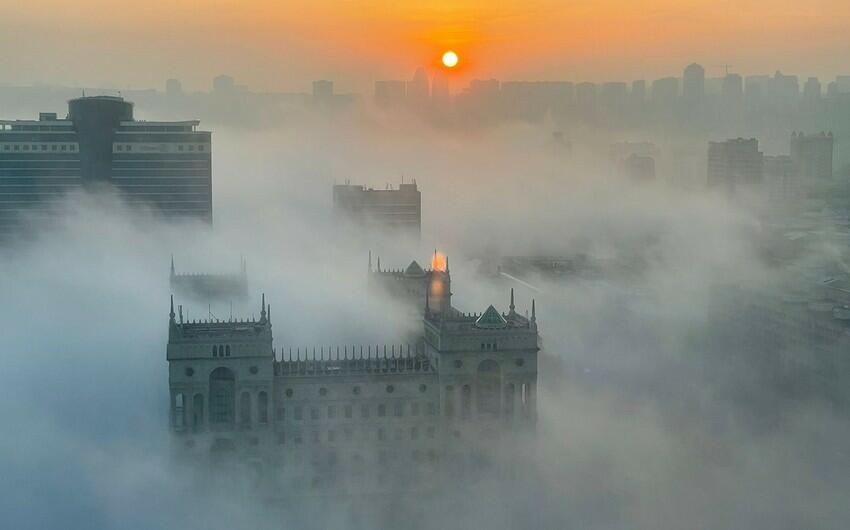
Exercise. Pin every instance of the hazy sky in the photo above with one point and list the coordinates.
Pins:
(274, 44)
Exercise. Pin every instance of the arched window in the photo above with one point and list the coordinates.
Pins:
(215, 350)
(222, 397)
(489, 387)
(449, 407)
(227, 350)
(465, 401)
(245, 408)
(524, 397)
(263, 407)
(179, 418)
(198, 412)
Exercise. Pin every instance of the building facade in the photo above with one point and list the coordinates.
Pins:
(210, 287)
(393, 209)
(812, 155)
(735, 163)
(325, 415)
(165, 165)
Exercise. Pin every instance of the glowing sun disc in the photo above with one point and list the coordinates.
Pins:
(450, 59)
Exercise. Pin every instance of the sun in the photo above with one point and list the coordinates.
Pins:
(450, 59)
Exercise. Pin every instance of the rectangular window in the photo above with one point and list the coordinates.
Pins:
(382, 410)
(26, 147)
(348, 411)
(399, 409)
(73, 147)
(53, 147)
(63, 147)
(314, 413)
(414, 409)
(432, 409)
(381, 434)
(348, 434)
(364, 411)
(298, 413)
(331, 436)
(200, 148)
(298, 439)
(191, 148)
(17, 148)
(331, 412)
(129, 148)
(119, 147)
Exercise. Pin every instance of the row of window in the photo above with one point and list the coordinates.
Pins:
(164, 147)
(221, 350)
(354, 390)
(365, 411)
(347, 435)
(40, 147)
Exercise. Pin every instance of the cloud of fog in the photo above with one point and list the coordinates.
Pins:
(637, 425)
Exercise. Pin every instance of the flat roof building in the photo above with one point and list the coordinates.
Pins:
(167, 165)
(392, 209)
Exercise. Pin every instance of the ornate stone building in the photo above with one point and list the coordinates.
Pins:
(328, 414)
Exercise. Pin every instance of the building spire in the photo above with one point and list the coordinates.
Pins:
(171, 314)
(172, 264)
(447, 263)
(533, 311)
(263, 309)
(379, 263)
(370, 260)
(512, 306)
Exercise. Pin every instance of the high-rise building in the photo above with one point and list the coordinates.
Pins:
(166, 165)
(812, 90)
(637, 96)
(732, 90)
(323, 91)
(173, 88)
(224, 85)
(735, 163)
(693, 84)
(419, 90)
(390, 93)
(665, 92)
(392, 209)
(812, 155)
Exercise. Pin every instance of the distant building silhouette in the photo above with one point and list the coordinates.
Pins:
(173, 88)
(812, 155)
(735, 163)
(390, 93)
(210, 288)
(693, 84)
(392, 209)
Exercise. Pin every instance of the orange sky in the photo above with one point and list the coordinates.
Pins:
(279, 44)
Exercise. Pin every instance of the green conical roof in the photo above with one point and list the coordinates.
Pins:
(491, 319)
(413, 269)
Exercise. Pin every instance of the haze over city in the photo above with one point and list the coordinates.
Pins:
(373, 264)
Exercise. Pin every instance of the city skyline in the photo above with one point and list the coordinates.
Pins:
(277, 47)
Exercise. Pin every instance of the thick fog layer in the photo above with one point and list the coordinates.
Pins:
(645, 420)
